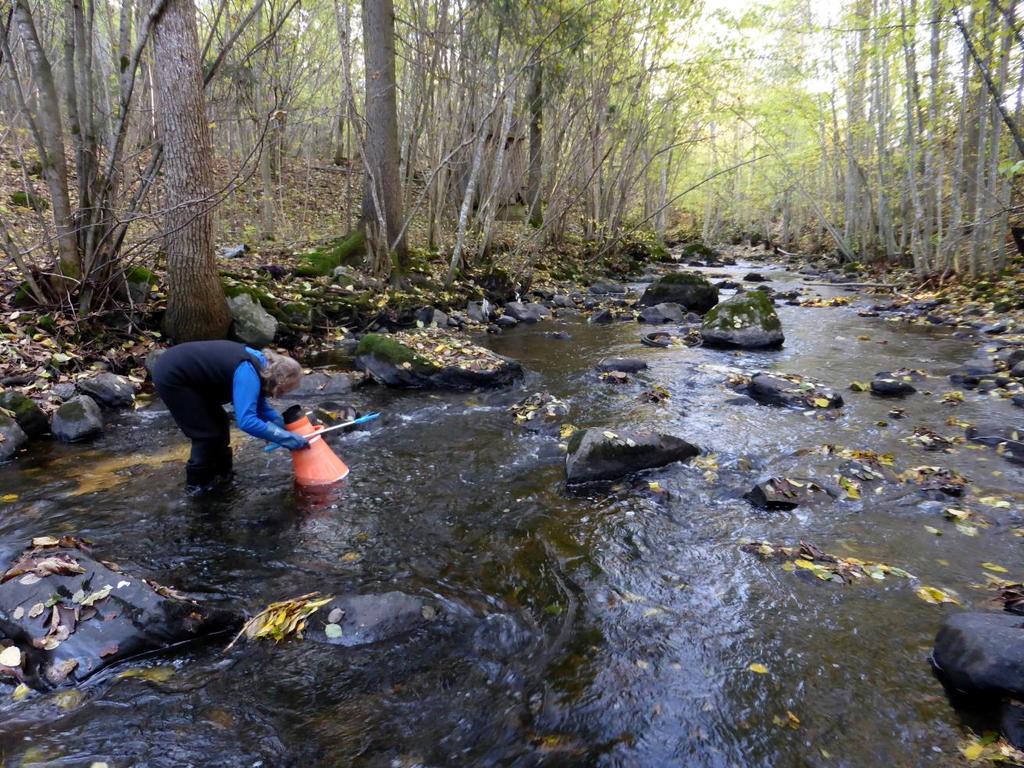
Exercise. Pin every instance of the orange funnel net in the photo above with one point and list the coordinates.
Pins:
(317, 465)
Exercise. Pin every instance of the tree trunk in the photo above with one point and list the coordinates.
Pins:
(195, 300)
(382, 199)
(535, 99)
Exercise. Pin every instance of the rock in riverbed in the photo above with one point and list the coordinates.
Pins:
(982, 653)
(253, 325)
(601, 454)
(666, 312)
(108, 389)
(432, 357)
(77, 419)
(885, 385)
(623, 364)
(12, 437)
(71, 615)
(366, 619)
(689, 289)
(1007, 439)
(784, 493)
(30, 417)
(792, 391)
(745, 321)
(530, 312)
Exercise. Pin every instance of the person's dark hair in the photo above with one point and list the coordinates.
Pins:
(280, 375)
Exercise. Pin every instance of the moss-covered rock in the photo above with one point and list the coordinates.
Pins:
(78, 419)
(30, 417)
(601, 454)
(690, 289)
(432, 358)
(12, 437)
(348, 250)
(29, 200)
(745, 321)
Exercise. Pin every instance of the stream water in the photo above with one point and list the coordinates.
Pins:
(612, 626)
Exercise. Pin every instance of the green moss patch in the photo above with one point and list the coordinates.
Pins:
(390, 350)
(348, 250)
(743, 311)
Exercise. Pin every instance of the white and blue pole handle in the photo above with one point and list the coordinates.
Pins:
(314, 438)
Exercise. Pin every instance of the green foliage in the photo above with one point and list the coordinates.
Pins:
(348, 251)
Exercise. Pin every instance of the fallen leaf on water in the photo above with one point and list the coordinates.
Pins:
(149, 674)
(994, 501)
(935, 596)
(333, 631)
(9, 497)
(821, 402)
(932, 529)
(45, 541)
(21, 692)
(994, 567)
(760, 669)
(36, 610)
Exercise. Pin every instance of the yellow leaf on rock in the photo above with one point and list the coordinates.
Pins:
(993, 567)
(973, 751)
(760, 669)
(821, 402)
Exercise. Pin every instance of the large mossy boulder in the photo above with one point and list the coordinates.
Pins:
(602, 454)
(433, 358)
(347, 251)
(77, 419)
(71, 615)
(689, 289)
(744, 321)
(30, 417)
(253, 325)
(12, 437)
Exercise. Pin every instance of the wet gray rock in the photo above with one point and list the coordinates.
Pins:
(1007, 439)
(64, 391)
(561, 300)
(1018, 371)
(390, 362)
(887, 386)
(500, 636)
(754, 277)
(12, 437)
(30, 417)
(1011, 356)
(430, 316)
(77, 419)
(603, 454)
(785, 493)
(666, 312)
(527, 313)
(366, 619)
(981, 653)
(802, 393)
(690, 289)
(602, 317)
(75, 615)
(623, 364)
(559, 335)
(108, 389)
(253, 325)
(745, 321)
(606, 286)
(480, 311)
(1018, 400)
(506, 321)
(322, 384)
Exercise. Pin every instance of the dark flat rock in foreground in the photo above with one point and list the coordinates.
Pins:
(602, 454)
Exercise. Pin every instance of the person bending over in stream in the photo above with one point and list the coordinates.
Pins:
(197, 378)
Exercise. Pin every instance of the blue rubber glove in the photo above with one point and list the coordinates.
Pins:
(286, 439)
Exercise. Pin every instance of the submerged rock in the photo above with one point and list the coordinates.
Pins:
(506, 321)
(600, 287)
(602, 317)
(792, 391)
(666, 312)
(71, 615)
(12, 437)
(366, 619)
(528, 312)
(745, 321)
(30, 417)
(623, 364)
(108, 389)
(77, 419)
(980, 653)
(1007, 439)
(689, 289)
(253, 325)
(601, 454)
(432, 357)
(539, 411)
(785, 493)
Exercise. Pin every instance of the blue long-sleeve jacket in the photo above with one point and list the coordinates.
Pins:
(254, 415)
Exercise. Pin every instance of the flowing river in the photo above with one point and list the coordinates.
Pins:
(613, 626)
